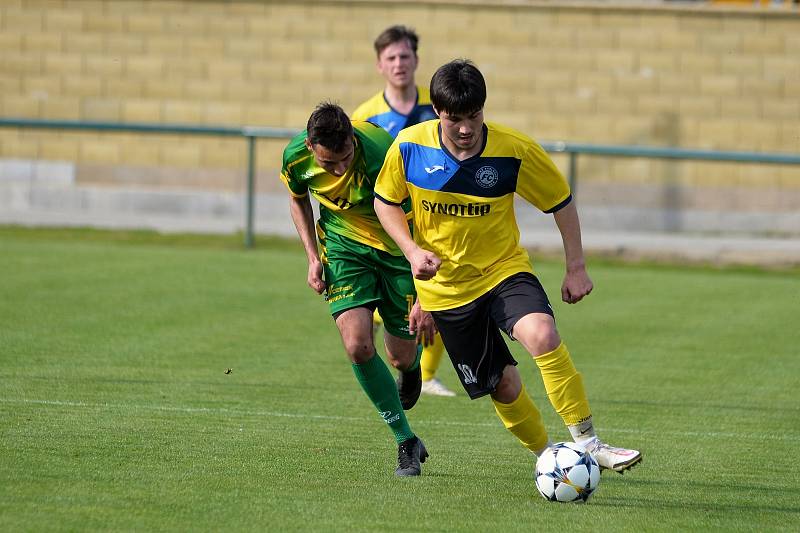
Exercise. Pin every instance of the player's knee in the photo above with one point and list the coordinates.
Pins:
(402, 357)
(546, 341)
(540, 336)
(359, 350)
(401, 353)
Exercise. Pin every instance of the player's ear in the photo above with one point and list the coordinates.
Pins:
(435, 110)
(308, 145)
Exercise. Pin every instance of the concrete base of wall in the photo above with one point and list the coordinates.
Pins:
(46, 194)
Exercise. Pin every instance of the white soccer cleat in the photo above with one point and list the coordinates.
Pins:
(611, 458)
(434, 387)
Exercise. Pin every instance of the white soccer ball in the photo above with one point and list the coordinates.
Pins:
(566, 472)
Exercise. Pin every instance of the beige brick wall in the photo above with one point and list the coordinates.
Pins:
(612, 74)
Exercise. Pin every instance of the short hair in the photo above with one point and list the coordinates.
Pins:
(395, 34)
(329, 126)
(458, 88)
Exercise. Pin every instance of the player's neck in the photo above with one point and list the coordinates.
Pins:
(401, 99)
(460, 153)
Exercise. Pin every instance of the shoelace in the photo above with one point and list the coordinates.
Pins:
(405, 455)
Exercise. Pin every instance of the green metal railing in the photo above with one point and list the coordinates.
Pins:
(654, 152)
(251, 133)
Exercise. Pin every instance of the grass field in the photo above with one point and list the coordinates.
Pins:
(116, 412)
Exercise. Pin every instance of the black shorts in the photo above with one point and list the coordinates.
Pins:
(471, 333)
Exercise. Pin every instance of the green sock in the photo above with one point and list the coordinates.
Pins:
(377, 382)
(417, 360)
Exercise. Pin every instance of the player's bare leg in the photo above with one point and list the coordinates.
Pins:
(403, 354)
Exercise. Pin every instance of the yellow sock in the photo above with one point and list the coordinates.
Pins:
(431, 357)
(564, 385)
(523, 419)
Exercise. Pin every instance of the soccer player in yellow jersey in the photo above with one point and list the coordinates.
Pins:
(357, 265)
(461, 174)
(401, 104)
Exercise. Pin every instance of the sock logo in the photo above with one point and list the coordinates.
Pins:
(469, 376)
(388, 417)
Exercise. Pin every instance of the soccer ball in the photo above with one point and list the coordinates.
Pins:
(566, 472)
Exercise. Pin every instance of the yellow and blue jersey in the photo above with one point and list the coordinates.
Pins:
(464, 210)
(346, 202)
(378, 111)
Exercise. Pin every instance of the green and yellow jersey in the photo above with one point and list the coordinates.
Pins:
(464, 210)
(378, 111)
(346, 202)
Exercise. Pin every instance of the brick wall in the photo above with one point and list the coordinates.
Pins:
(697, 77)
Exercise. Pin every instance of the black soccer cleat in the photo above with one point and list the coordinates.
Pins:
(409, 386)
(410, 453)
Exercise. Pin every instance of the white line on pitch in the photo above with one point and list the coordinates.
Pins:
(245, 412)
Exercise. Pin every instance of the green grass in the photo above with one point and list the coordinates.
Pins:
(116, 412)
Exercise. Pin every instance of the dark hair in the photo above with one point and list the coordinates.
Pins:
(458, 88)
(395, 34)
(329, 126)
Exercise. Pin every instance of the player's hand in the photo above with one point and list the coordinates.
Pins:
(424, 264)
(421, 323)
(577, 284)
(315, 280)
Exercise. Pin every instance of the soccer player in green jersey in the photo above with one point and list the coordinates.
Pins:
(461, 174)
(357, 265)
(400, 104)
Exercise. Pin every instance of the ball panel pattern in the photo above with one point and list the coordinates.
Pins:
(566, 472)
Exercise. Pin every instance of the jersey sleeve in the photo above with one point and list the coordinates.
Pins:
(391, 186)
(540, 182)
(289, 168)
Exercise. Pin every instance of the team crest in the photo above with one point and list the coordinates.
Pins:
(486, 177)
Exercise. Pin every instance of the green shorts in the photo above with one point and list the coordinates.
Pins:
(357, 275)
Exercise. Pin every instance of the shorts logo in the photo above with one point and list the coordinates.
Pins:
(469, 376)
(487, 177)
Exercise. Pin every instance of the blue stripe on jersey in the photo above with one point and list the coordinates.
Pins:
(431, 168)
(427, 167)
(391, 121)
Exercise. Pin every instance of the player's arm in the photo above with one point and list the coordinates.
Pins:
(390, 191)
(577, 283)
(424, 264)
(303, 218)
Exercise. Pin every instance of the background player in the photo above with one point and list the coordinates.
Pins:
(401, 104)
(337, 161)
(471, 272)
